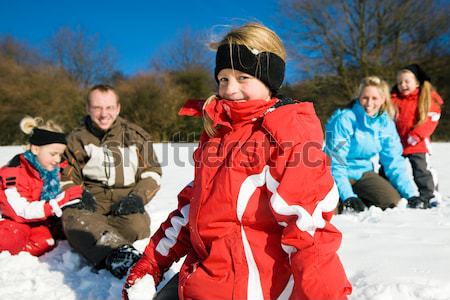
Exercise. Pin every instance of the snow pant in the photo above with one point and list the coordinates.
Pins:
(169, 291)
(16, 237)
(422, 174)
(95, 235)
(373, 189)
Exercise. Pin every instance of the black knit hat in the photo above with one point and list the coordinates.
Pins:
(41, 137)
(266, 66)
(418, 72)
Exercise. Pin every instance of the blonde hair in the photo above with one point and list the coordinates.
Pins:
(425, 98)
(254, 36)
(27, 124)
(383, 88)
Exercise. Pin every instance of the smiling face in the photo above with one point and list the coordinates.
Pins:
(239, 86)
(371, 100)
(406, 82)
(103, 108)
(49, 156)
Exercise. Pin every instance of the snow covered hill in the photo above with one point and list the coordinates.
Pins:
(395, 254)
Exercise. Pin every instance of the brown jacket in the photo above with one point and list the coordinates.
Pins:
(112, 164)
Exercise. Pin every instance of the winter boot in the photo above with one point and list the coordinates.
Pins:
(120, 260)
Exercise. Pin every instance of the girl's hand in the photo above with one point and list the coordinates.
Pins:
(412, 140)
(143, 266)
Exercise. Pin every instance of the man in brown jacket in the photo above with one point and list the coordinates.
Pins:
(114, 162)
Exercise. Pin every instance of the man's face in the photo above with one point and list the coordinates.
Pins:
(103, 108)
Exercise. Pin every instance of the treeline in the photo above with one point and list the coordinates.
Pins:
(333, 44)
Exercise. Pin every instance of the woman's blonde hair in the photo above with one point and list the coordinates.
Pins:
(254, 36)
(424, 97)
(383, 88)
(27, 124)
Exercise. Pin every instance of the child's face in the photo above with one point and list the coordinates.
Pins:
(239, 86)
(49, 156)
(407, 82)
(371, 100)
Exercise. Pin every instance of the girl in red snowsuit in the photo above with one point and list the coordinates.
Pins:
(30, 192)
(419, 110)
(255, 222)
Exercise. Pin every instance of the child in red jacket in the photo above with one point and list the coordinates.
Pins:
(255, 222)
(30, 193)
(419, 110)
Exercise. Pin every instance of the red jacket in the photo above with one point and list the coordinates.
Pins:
(26, 226)
(419, 136)
(21, 187)
(255, 222)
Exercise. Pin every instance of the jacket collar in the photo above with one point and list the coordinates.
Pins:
(232, 114)
(27, 165)
(100, 133)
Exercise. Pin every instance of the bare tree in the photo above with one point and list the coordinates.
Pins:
(82, 56)
(20, 52)
(354, 38)
(188, 51)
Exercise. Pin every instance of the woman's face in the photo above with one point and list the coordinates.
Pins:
(239, 86)
(49, 156)
(371, 100)
(407, 82)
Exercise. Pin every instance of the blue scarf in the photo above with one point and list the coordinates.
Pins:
(51, 187)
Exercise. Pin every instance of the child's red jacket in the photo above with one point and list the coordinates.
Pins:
(416, 139)
(26, 225)
(255, 222)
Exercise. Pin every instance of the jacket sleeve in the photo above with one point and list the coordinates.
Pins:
(339, 132)
(426, 129)
(394, 164)
(303, 201)
(171, 241)
(16, 202)
(148, 176)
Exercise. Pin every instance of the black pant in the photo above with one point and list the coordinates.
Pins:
(169, 291)
(422, 175)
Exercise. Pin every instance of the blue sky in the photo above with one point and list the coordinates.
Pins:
(136, 29)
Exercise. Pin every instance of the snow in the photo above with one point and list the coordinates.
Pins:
(394, 254)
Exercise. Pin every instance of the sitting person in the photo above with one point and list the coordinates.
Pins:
(355, 135)
(114, 161)
(30, 195)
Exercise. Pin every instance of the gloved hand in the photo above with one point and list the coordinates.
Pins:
(130, 204)
(412, 140)
(418, 202)
(355, 204)
(69, 197)
(143, 266)
(87, 202)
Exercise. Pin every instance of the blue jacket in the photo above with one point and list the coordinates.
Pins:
(353, 138)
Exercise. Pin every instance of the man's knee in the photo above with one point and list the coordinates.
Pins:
(135, 226)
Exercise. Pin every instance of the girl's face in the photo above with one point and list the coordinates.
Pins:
(371, 100)
(49, 156)
(239, 86)
(407, 82)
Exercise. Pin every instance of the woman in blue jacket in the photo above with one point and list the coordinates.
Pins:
(355, 135)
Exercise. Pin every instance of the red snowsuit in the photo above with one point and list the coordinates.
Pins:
(255, 222)
(407, 119)
(25, 226)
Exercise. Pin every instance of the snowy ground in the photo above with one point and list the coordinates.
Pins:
(388, 255)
